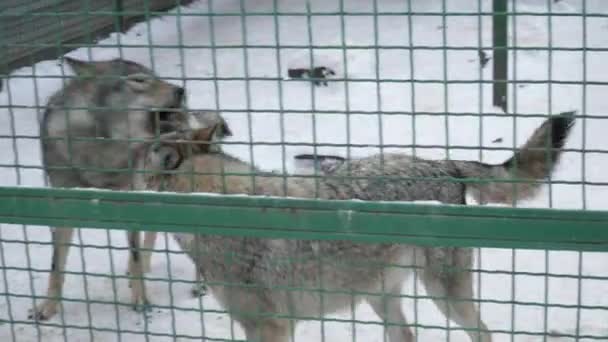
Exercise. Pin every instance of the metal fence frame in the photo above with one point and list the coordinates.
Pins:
(430, 225)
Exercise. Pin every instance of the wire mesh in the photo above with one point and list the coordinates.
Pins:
(409, 77)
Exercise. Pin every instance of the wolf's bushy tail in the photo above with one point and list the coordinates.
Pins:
(534, 161)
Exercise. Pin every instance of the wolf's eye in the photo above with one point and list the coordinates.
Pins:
(138, 78)
(138, 82)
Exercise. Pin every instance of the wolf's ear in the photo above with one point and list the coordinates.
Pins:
(81, 68)
(226, 131)
(205, 134)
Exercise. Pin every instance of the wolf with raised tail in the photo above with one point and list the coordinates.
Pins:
(257, 267)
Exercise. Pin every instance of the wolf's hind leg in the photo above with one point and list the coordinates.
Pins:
(267, 331)
(388, 307)
(454, 289)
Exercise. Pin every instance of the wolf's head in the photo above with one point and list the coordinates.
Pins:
(170, 153)
(123, 88)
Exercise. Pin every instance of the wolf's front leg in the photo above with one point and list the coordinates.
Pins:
(149, 242)
(137, 284)
(62, 237)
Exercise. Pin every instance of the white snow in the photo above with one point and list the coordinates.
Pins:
(193, 61)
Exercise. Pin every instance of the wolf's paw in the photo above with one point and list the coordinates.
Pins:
(141, 304)
(44, 311)
(198, 290)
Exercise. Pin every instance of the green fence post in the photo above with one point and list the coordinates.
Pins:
(499, 44)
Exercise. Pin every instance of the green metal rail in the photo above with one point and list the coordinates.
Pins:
(424, 224)
(25, 211)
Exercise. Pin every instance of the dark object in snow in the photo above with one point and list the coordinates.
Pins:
(318, 74)
(483, 58)
(323, 163)
(321, 73)
(497, 140)
(318, 156)
(298, 72)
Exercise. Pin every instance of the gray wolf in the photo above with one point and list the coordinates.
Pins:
(85, 142)
(198, 120)
(244, 273)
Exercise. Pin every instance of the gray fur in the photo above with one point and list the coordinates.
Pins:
(107, 103)
(395, 177)
(204, 119)
(220, 131)
(256, 267)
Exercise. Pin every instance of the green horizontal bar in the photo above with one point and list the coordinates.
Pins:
(426, 224)
(324, 319)
(308, 144)
(227, 111)
(9, 13)
(314, 46)
(303, 143)
(354, 80)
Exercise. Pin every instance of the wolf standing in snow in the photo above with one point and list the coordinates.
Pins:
(258, 266)
(84, 137)
(198, 120)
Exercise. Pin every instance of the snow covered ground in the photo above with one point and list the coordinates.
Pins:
(253, 107)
